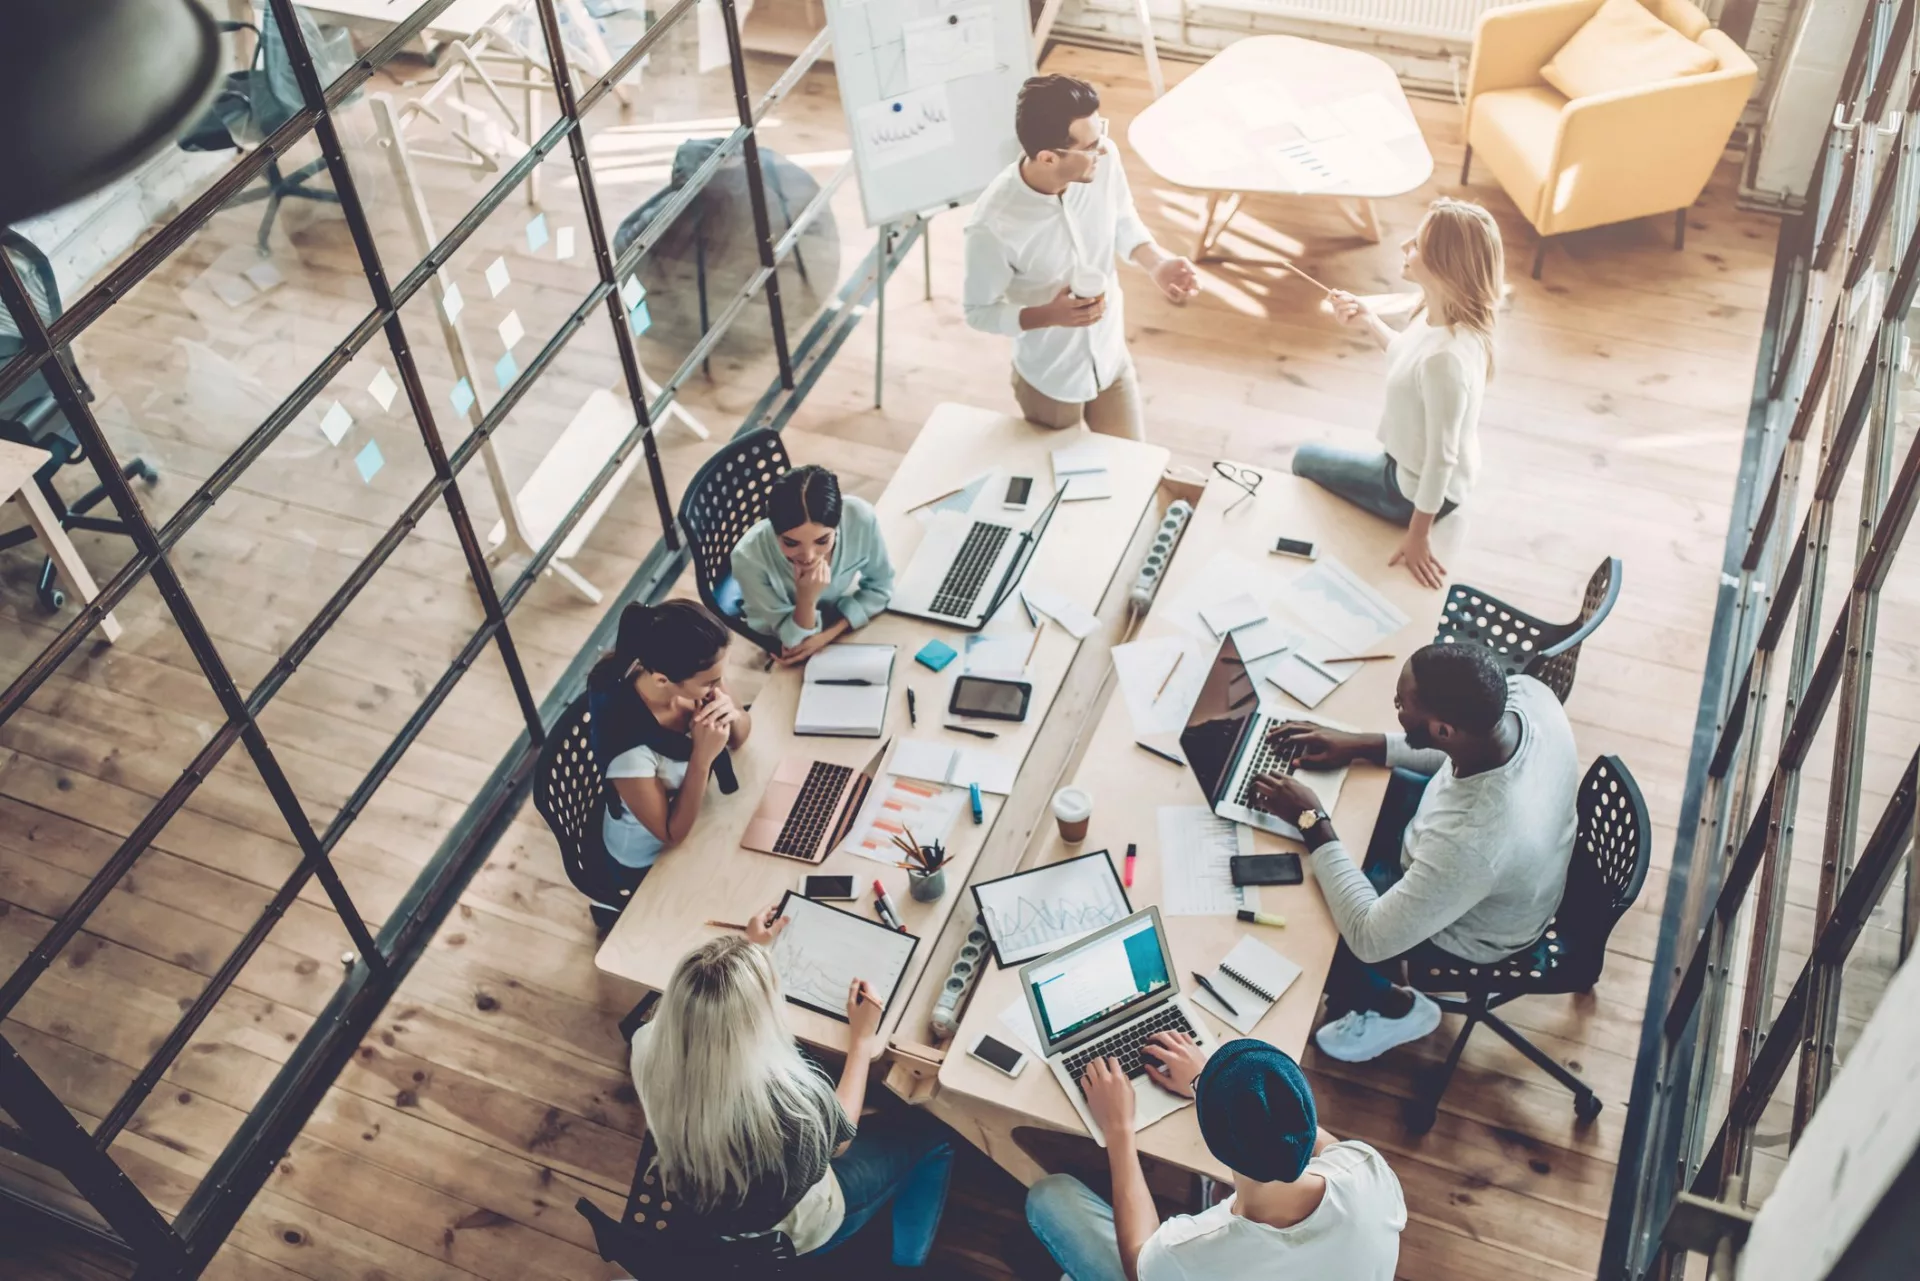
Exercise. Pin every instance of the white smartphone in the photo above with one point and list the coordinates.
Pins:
(1019, 493)
(999, 1055)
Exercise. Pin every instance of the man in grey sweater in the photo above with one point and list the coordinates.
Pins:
(1469, 855)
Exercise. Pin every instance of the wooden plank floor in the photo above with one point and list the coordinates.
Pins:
(493, 1091)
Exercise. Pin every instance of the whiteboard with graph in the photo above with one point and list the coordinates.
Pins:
(928, 87)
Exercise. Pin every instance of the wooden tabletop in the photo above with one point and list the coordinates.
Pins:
(1266, 112)
(711, 877)
(1129, 786)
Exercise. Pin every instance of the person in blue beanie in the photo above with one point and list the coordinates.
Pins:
(1304, 1206)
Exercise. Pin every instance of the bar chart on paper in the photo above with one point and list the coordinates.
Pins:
(1033, 913)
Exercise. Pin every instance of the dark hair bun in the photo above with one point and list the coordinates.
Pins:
(675, 638)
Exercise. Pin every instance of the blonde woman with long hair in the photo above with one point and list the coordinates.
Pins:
(752, 1136)
(1437, 370)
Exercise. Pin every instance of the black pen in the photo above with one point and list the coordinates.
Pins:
(1215, 993)
(842, 682)
(1032, 620)
(913, 710)
(977, 733)
(1165, 756)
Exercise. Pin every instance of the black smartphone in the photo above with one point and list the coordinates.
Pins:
(828, 889)
(1265, 869)
(998, 1054)
(994, 699)
(1019, 490)
(1294, 547)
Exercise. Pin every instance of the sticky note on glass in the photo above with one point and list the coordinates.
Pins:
(451, 302)
(536, 233)
(334, 425)
(497, 277)
(563, 243)
(462, 397)
(640, 318)
(369, 461)
(264, 276)
(383, 387)
(505, 370)
(511, 330)
(631, 292)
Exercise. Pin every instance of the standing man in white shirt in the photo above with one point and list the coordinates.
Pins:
(1305, 1206)
(1041, 246)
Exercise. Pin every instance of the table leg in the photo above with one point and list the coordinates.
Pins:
(1149, 48)
(46, 527)
(1206, 225)
(1365, 220)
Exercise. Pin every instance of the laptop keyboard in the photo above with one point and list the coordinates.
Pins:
(812, 810)
(968, 573)
(1268, 758)
(1124, 1045)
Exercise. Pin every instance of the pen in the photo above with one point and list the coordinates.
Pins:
(913, 709)
(1358, 658)
(973, 794)
(1165, 756)
(1132, 849)
(977, 733)
(1033, 619)
(1214, 992)
(883, 906)
(1170, 671)
(1262, 918)
(843, 682)
(727, 925)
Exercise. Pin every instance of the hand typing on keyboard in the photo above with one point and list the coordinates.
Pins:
(1173, 1060)
(1109, 1092)
(1283, 794)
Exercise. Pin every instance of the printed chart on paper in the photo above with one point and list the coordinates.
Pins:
(823, 950)
(1049, 907)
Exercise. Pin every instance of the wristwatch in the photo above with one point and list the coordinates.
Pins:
(1309, 820)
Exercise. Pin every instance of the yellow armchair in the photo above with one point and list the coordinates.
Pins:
(1572, 163)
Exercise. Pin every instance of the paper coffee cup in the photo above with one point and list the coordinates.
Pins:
(1073, 810)
(1085, 282)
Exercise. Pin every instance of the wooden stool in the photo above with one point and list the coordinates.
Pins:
(18, 463)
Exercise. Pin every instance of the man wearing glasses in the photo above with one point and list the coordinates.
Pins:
(1041, 247)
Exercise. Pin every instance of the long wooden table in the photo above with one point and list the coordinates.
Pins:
(1129, 786)
(711, 877)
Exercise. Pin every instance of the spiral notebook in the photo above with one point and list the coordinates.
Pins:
(1253, 976)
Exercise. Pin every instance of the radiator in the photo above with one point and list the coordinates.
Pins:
(1442, 19)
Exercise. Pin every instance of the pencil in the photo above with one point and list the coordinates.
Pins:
(1290, 267)
(727, 925)
(941, 499)
(1038, 628)
(1359, 658)
(1169, 679)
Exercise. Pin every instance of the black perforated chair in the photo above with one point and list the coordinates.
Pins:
(568, 788)
(726, 496)
(1611, 847)
(655, 1238)
(1548, 652)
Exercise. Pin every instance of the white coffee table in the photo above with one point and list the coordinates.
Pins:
(1278, 115)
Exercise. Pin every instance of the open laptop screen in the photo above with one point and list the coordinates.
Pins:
(1086, 983)
(1227, 701)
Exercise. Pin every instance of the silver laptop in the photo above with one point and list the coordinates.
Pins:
(1103, 996)
(965, 568)
(1225, 743)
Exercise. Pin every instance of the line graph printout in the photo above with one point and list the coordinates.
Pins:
(1033, 913)
(897, 129)
(1341, 606)
(823, 950)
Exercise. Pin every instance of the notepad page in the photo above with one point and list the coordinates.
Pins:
(858, 711)
(871, 664)
(1254, 960)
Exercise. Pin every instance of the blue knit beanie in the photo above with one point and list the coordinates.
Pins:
(1256, 1111)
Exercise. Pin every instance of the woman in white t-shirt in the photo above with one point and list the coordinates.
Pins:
(752, 1136)
(1437, 370)
(661, 715)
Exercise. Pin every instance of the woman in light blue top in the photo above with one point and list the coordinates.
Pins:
(815, 569)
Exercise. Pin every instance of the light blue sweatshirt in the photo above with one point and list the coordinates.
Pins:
(860, 586)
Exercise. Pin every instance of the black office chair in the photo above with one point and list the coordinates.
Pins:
(31, 415)
(1611, 849)
(726, 496)
(1548, 652)
(653, 1238)
(255, 102)
(569, 784)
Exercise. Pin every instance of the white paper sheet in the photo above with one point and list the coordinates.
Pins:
(563, 243)
(451, 302)
(1003, 656)
(823, 950)
(383, 388)
(894, 130)
(1337, 603)
(1049, 907)
(1018, 1020)
(497, 277)
(1062, 609)
(1143, 666)
(954, 766)
(511, 330)
(893, 806)
(1196, 878)
(336, 422)
(948, 47)
(1231, 613)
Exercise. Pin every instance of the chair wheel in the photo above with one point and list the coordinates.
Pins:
(147, 474)
(1586, 1106)
(53, 600)
(1418, 1115)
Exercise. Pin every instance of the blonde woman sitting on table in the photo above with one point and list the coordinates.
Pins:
(815, 568)
(1437, 370)
(662, 722)
(753, 1137)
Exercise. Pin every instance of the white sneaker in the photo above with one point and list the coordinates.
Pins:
(1357, 1036)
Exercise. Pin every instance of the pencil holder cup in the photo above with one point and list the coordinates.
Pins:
(927, 886)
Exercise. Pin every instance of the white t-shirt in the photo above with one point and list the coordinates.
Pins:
(626, 837)
(1430, 421)
(1352, 1235)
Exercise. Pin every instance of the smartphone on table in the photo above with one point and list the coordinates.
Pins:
(999, 1055)
(1265, 869)
(1300, 547)
(829, 889)
(1019, 492)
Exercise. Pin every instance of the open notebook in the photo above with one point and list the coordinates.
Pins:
(844, 692)
(1253, 976)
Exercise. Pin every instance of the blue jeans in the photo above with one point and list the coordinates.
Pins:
(1369, 479)
(906, 1159)
(1076, 1226)
(1352, 984)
